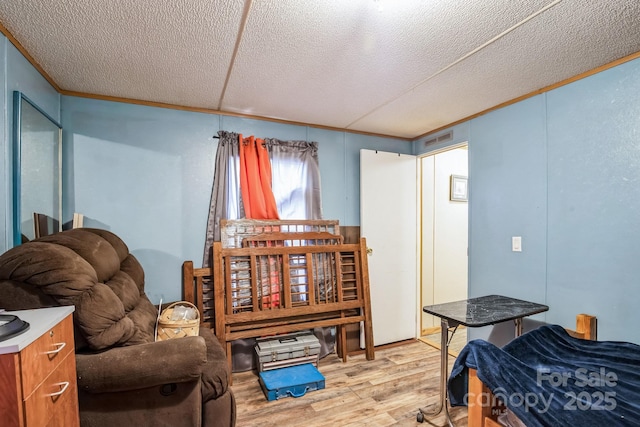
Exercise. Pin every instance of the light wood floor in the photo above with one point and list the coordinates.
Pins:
(457, 342)
(387, 391)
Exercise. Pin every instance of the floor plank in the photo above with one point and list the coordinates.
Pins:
(387, 391)
(457, 341)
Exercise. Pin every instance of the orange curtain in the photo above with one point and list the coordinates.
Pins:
(255, 180)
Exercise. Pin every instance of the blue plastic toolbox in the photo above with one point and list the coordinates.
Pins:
(293, 381)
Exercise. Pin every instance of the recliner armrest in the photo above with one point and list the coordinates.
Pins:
(140, 366)
(216, 375)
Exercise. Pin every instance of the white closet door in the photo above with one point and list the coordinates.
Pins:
(444, 227)
(388, 220)
(451, 221)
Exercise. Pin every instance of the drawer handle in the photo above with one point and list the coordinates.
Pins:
(64, 384)
(60, 346)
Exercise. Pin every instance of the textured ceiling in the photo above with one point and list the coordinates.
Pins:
(391, 67)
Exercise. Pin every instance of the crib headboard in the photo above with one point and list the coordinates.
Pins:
(262, 291)
(197, 283)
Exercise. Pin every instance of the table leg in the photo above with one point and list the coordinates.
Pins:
(444, 368)
(444, 373)
(518, 323)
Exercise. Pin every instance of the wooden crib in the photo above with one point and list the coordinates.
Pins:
(281, 282)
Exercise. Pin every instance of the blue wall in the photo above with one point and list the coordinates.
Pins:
(146, 173)
(16, 73)
(562, 170)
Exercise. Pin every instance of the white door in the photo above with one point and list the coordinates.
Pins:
(388, 220)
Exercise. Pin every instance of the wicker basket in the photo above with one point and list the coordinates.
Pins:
(169, 329)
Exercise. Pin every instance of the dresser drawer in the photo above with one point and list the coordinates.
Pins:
(45, 354)
(55, 402)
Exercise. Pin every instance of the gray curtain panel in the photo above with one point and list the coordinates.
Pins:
(296, 178)
(225, 194)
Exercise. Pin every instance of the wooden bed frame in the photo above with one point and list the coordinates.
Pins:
(482, 415)
(267, 287)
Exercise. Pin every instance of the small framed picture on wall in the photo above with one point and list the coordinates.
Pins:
(459, 188)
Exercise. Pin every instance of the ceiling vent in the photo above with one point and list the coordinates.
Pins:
(440, 138)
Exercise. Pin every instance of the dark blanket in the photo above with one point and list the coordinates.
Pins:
(548, 378)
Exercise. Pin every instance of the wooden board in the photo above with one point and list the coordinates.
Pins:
(269, 290)
(232, 232)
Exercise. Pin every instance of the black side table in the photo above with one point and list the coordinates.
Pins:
(473, 313)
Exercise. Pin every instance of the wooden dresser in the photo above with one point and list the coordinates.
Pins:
(38, 371)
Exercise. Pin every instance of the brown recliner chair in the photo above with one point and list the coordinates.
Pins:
(124, 377)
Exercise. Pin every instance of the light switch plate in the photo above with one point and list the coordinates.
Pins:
(516, 244)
